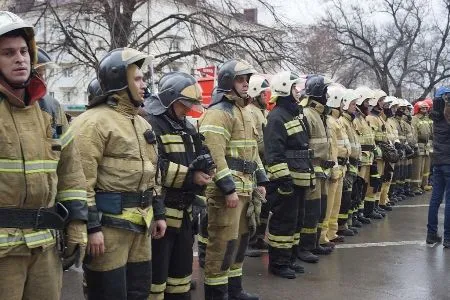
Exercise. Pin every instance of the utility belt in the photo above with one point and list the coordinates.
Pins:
(115, 202)
(342, 161)
(302, 154)
(42, 218)
(241, 165)
(367, 147)
(178, 199)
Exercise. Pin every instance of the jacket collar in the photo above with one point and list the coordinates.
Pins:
(35, 90)
(121, 103)
(241, 102)
(316, 106)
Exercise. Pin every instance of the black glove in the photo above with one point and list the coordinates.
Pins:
(348, 181)
(327, 164)
(203, 163)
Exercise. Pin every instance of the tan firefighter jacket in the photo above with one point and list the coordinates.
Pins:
(318, 140)
(355, 153)
(340, 148)
(230, 134)
(39, 166)
(366, 138)
(260, 120)
(422, 126)
(119, 154)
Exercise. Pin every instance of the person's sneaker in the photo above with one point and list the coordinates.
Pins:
(446, 243)
(282, 271)
(433, 238)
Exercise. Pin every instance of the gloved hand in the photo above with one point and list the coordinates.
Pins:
(348, 181)
(377, 152)
(326, 164)
(254, 211)
(76, 241)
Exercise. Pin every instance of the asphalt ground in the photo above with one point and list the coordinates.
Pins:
(388, 259)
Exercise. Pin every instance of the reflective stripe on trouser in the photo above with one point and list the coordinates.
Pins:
(417, 171)
(329, 224)
(108, 273)
(426, 170)
(172, 262)
(283, 226)
(308, 232)
(227, 242)
(346, 209)
(34, 276)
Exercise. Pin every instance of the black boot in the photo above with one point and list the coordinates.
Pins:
(386, 207)
(106, 285)
(433, 238)
(216, 292)
(345, 232)
(374, 215)
(355, 221)
(363, 219)
(338, 239)
(354, 229)
(282, 271)
(236, 292)
(321, 250)
(296, 267)
(307, 256)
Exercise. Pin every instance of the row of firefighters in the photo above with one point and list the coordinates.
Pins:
(131, 181)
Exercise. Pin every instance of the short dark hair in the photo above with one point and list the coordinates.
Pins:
(16, 33)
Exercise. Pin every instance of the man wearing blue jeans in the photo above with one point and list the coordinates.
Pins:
(441, 169)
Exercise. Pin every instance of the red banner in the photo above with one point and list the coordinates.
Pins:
(207, 71)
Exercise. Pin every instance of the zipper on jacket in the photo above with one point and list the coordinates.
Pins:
(140, 153)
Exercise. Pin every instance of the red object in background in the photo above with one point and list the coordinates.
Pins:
(209, 71)
(207, 84)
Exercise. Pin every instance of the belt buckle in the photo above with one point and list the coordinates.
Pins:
(38, 215)
(244, 166)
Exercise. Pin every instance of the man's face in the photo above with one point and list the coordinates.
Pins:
(352, 107)
(241, 85)
(14, 59)
(423, 110)
(136, 83)
(295, 93)
(180, 110)
(381, 102)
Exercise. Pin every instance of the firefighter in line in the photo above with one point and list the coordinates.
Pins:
(397, 137)
(231, 136)
(368, 169)
(334, 223)
(288, 159)
(315, 114)
(186, 167)
(390, 156)
(349, 99)
(428, 150)
(375, 118)
(257, 90)
(119, 157)
(412, 143)
(43, 189)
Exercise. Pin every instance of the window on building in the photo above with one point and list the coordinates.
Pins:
(67, 96)
(176, 45)
(52, 94)
(67, 72)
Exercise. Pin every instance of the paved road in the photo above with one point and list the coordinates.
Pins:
(387, 260)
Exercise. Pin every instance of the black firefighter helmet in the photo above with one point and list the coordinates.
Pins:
(172, 87)
(225, 77)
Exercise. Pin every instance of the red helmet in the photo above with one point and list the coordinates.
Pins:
(421, 104)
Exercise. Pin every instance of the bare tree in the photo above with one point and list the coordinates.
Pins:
(86, 29)
(387, 49)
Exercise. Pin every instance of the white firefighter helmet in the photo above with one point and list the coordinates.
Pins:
(403, 103)
(395, 101)
(378, 94)
(10, 22)
(389, 99)
(281, 83)
(335, 92)
(257, 85)
(364, 93)
(349, 96)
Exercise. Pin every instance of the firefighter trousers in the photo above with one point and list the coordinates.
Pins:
(346, 209)
(334, 197)
(228, 238)
(36, 276)
(373, 186)
(124, 271)
(315, 210)
(285, 222)
(172, 262)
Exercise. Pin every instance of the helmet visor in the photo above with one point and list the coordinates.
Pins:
(194, 106)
